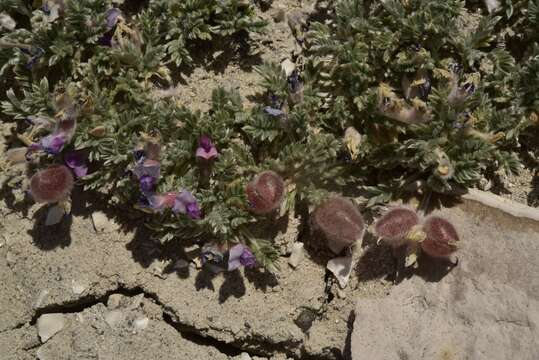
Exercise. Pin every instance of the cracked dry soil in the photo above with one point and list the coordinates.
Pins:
(191, 313)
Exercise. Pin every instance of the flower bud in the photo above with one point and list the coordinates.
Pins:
(441, 237)
(265, 192)
(52, 184)
(395, 225)
(340, 221)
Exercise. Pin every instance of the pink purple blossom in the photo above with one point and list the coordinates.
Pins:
(76, 161)
(240, 255)
(206, 149)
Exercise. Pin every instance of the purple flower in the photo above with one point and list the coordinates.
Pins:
(147, 183)
(76, 160)
(111, 17)
(186, 203)
(240, 255)
(273, 111)
(147, 168)
(51, 144)
(193, 211)
(206, 149)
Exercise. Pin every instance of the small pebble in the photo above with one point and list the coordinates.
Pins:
(102, 224)
(288, 67)
(341, 267)
(114, 317)
(141, 323)
(50, 324)
(54, 215)
(297, 255)
(77, 287)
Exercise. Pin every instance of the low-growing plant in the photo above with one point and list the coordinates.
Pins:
(434, 88)
(391, 97)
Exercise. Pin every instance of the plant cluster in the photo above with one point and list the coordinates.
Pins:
(393, 96)
(439, 91)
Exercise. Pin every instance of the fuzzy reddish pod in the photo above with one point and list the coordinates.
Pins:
(395, 225)
(441, 237)
(340, 221)
(265, 192)
(51, 184)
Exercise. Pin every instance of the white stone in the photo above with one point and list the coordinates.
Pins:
(50, 324)
(296, 255)
(341, 267)
(54, 215)
(41, 298)
(78, 288)
(288, 67)
(485, 308)
(141, 323)
(245, 356)
(492, 5)
(7, 22)
(102, 224)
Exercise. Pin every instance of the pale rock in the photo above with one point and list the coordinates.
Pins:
(245, 356)
(102, 224)
(40, 298)
(288, 67)
(141, 323)
(296, 255)
(78, 288)
(485, 308)
(135, 303)
(54, 215)
(492, 5)
(341, 267)
(16, 155)
(7, 22)
(114, 317)
(114, 301)
(50, 324)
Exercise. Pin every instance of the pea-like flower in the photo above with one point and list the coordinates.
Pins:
(186, 203)
(206, 149)
(112, 17)
(76, 161)
(55, 142)
(240, 255)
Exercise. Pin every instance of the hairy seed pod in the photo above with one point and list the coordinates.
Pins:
(395, 225)
(340, 221)
(442, 237)
(51, 184)
(265, 192)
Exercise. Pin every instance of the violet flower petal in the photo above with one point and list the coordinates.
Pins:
(76, 160)
(53, 143)
(273, 112)
(234, 255)
(247, 258)
(111, 17)
(193, 210)
(205, 142)
(207, 155)
(147, 183)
